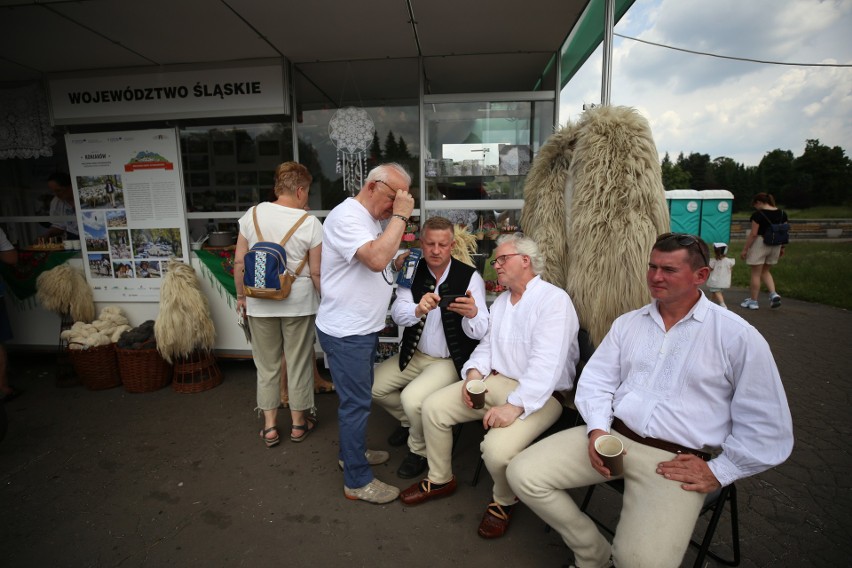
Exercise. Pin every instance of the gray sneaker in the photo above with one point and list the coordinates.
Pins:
(750, 304)
(374, 492)
(774, 301)
(374, 457)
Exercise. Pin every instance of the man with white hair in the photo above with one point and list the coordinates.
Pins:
(527, 359)
(356, 292)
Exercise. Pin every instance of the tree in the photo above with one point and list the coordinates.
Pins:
(697, 166)
(777, 176)
(828, 171)
(391, 148)
(375, 156)
(673, 175)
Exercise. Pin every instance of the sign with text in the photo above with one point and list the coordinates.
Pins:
(232, 91)
(130, 208)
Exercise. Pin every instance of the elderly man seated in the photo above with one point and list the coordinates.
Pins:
(692, 392)
(527, 359)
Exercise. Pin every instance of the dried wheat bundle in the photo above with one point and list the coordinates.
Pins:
(183, 324)
(64, 290)
(464, 246)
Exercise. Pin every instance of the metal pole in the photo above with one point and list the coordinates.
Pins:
(606, 78)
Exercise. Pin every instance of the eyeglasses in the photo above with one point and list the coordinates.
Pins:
(685, 240)
(391, 197)
(501, 260)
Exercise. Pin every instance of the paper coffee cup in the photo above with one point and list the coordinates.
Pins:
(611, 451)
(476, 390)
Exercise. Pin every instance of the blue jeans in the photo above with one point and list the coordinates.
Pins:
(351, 362)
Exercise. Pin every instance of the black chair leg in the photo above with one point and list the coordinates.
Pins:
(476, 473)
(728, 494)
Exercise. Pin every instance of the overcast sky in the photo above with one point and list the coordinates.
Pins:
(722, 107)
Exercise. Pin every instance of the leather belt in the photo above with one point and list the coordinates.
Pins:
(622, 429)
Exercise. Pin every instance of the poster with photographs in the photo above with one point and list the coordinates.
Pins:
(130, 202)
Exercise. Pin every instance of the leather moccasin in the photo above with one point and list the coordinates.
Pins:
(495, 521)
(425, 490)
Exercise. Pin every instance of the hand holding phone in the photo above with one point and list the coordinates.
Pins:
(448, 299)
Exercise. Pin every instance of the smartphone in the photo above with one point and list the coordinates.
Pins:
(448, 299)
(406, 275)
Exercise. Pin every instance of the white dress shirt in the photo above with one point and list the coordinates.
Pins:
(533, 342)
(432, 341)
(709, 383)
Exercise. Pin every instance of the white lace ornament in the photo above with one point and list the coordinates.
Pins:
(351, 130)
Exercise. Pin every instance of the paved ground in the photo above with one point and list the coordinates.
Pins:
(164, 479)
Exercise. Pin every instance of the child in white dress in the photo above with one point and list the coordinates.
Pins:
(720, 273)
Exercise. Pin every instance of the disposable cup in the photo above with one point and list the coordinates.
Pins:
(476, 390)
(611, 451)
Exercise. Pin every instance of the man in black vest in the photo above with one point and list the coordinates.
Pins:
(438, 339)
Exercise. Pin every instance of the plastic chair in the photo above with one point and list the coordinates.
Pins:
(714, 502)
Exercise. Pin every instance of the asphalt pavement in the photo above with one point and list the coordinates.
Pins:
(109, 478)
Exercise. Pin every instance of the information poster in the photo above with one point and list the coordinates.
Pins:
(130, 208)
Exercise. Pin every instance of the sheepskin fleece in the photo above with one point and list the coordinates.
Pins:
(183, 324)
(617, 209)
(546, 203)
(64, 290)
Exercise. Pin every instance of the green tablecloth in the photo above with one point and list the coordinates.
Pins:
(219, 267)
(21, 278)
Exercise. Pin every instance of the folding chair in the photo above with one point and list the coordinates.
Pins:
(714, 502)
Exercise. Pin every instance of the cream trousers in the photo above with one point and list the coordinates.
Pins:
(402, 393)
(657, 516)
(445, 408)
(272, 338)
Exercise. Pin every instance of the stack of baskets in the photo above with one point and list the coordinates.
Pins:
(196, 372)
(97, 367)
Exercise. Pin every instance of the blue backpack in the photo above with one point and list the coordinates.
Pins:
(266, 275)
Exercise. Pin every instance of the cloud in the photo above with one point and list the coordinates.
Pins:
(722, 107)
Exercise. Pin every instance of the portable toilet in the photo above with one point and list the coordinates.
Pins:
(685, 210)
(716, 215)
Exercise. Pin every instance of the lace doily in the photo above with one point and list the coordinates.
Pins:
(25, 130)
(351, 130)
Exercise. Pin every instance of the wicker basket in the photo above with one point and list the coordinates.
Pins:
(96, 367)
(143, 370)
(196, 373)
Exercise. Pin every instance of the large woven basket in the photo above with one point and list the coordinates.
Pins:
(196, 372)
(143, 370)
(96, 367)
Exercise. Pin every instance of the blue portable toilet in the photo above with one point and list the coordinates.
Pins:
(685, 210)
(716, 215)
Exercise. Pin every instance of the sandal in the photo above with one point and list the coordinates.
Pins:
(270, 442)
(285, 401)
(305, 429)
(322, 386)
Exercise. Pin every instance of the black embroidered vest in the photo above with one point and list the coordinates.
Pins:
(459, 344)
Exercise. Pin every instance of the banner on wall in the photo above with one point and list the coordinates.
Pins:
(130, 210)
(170, 93)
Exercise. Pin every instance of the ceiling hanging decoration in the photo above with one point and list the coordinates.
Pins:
(351, 130)
(25, 130)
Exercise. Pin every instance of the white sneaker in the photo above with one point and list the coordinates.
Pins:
(374, 492)
(750, 304)
(774, 300)
(374, 457)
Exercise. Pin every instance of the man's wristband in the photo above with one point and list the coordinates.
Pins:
(403, 217)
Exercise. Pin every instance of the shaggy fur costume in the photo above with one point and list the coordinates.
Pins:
(183, 324)
(64, 290)
(598, 184)
(546, 204)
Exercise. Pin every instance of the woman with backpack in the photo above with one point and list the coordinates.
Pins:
(283, 328)
(758, 253)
